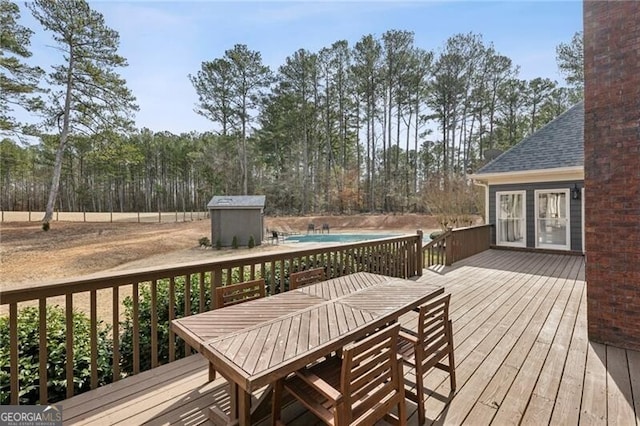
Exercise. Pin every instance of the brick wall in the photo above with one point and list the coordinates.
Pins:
(612, 170)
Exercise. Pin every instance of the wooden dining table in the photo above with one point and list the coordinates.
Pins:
(258, 342)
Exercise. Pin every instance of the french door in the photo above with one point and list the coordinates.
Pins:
(552, 219)
(511, 219)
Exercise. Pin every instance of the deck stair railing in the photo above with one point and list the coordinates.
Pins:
(454, 245)
(155, 296)
(435, 251)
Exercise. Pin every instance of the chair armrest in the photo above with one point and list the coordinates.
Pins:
(320, 385)
(406, 335)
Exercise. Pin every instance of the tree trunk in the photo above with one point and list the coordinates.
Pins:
(57, 166)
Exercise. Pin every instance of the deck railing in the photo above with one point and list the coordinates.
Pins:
(454, 245)
(155, 296)
(434, 252)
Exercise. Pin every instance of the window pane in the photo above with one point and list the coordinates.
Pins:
(511, 221)
(510, 206)
(552, 205)
(552, 218)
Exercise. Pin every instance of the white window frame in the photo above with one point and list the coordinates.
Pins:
(567, 193)
(524, 216)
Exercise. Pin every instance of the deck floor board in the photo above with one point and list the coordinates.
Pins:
(522, 357)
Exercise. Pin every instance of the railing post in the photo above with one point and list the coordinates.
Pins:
(448, 255)
(419, 255)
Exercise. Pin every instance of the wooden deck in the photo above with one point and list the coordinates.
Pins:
(521, 348)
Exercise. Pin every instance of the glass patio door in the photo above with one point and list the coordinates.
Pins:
(552, 219)
(511, 219)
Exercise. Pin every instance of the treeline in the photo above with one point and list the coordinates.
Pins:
(367, 127)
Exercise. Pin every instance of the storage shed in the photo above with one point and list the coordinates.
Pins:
(237, 215)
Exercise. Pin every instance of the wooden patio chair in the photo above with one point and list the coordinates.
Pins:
(361, 387)
(239, 293)
(234, 294)
(428, 347)
(304, 278)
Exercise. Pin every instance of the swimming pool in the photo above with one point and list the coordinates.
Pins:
(336, 238)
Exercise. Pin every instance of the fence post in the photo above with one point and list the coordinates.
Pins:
(419, 255)
(448, 254)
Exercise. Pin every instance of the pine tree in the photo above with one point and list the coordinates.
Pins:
(89, 96)
(570, 59)
(18, 81)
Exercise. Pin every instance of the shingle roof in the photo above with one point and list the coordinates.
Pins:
(236, 201)
(558, 144)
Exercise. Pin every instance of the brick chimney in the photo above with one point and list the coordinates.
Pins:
(612, 170)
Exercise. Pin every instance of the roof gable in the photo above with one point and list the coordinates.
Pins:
(558, 144)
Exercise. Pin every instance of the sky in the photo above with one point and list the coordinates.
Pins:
(165, 41)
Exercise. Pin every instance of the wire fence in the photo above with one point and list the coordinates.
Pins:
(147, 217)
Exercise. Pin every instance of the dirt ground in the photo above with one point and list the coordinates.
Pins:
(30, 256)
(69, 249)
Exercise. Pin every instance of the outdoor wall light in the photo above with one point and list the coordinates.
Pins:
(575, 192)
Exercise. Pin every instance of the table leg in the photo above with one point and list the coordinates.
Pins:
(244, 407)
(233, 403)
(240, 405)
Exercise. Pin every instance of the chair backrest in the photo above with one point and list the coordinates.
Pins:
(303, 278)
(239, 293)
(434, 331)
(372, 373)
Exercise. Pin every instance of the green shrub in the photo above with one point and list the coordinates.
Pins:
(252, 242)
(234, 242)
(144, 319)
(28, 362)
(218, 244)
(204, 242)
(435, 234)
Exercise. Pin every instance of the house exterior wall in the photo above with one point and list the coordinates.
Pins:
(575, 209)
(612, 171)
(227, 223)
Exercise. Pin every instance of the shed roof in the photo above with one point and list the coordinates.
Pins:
(236, 202)
(559, 144)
